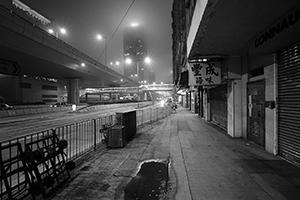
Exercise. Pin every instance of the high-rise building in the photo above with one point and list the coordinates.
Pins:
(135, 49)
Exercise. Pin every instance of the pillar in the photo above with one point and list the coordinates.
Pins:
(73, 90)
(234, 106)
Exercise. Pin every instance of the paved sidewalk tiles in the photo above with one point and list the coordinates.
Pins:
(205, 163)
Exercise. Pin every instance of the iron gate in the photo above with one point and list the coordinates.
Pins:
(256, 112)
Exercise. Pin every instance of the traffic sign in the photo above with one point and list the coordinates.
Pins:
(9, 67)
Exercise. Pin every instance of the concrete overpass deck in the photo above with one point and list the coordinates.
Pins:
(26, 49)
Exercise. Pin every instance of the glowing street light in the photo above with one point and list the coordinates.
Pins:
(146, 60)
(61, 31)
(51, 31)
(115, 65)
(134, 24)
(128, 61)
(100, 37)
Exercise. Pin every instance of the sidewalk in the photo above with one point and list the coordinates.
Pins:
(205, 164)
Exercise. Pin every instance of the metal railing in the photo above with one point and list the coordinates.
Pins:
(82, 137)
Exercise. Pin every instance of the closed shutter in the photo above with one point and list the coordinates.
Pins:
(218, 105)
(289, 103)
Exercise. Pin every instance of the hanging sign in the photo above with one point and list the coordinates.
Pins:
(207, 73)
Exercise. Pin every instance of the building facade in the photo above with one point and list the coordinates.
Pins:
(135, 49)
(25, 88)
(237, 64)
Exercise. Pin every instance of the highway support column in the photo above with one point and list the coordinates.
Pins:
(73, 90)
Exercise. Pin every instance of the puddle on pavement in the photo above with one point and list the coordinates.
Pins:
(151, 181)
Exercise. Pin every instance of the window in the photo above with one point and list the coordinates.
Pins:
(49, 87)
(49, 96)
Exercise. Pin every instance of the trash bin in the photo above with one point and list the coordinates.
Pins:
(127, 119)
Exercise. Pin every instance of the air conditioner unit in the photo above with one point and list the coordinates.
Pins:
(117, 136)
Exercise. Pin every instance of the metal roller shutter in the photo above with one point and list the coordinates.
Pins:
(289, 103)
(218, 105)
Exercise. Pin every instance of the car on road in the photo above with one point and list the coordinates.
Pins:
(58, 104)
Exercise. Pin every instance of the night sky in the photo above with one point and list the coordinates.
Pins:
(84, 19)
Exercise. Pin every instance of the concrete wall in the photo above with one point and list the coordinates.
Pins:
(234, 106)
(18, 90)
(8, 85)
(271, 122)
(39, 91)
(244, 105)
(234, 97)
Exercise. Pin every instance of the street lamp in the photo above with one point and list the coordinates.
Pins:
(100, 37)
(115, 66)
(61, 31)
(146, 60)
(128, 61)
(118, 67)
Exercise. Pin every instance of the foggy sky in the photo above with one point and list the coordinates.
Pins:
(84, 19)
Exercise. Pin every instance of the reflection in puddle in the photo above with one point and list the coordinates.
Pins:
(151, 181)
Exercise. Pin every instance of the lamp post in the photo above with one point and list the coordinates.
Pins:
(61, 31)
(146, 60)
(115, 66)
(100, 37)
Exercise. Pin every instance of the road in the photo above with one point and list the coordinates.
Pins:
(28, 124)
(81, 130)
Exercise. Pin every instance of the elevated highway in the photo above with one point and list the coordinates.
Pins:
(35, 52)
(145, 92)
(149, 87)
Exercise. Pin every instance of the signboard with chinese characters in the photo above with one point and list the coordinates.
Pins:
(206, 73)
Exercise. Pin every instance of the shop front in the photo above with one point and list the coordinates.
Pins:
(273, 87)
(218, 105)
(208, 96)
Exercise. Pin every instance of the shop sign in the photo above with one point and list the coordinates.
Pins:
(206, 73)
(285, 23)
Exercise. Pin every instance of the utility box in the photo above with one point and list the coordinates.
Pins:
(127, 119)
(117, 137)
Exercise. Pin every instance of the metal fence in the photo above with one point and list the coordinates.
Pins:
(82, 137)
